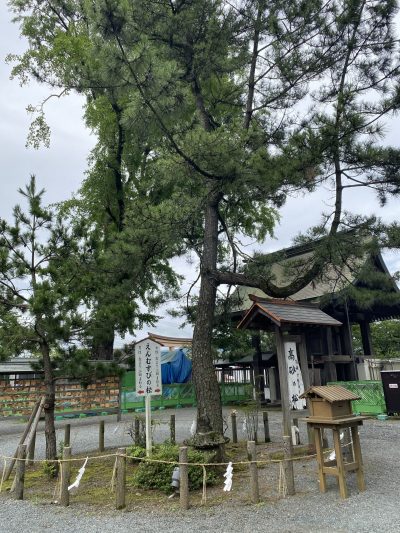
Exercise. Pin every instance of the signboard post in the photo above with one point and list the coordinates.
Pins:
(148, 379)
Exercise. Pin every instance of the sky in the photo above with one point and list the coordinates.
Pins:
(60, 168)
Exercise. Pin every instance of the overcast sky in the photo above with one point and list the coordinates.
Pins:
(60, 168)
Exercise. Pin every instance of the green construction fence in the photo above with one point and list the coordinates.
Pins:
(371, 392)
(180, 394)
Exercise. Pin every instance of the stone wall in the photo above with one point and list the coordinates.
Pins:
(17, 397)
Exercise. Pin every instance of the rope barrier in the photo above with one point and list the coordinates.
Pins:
(282, 482)
(161, 461)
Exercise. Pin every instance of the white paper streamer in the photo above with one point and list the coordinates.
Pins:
(295, 435)
(193, 427)
(75, 484)
(228, 478)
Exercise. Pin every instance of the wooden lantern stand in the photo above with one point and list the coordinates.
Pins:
(338, 467)
(330, 408)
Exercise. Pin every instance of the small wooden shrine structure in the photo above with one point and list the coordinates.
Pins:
(330, 408)
(289, 321)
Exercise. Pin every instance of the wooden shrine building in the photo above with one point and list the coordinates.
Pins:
(329, 348)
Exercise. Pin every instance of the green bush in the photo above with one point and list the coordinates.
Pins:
(136, 451)
(150, 475)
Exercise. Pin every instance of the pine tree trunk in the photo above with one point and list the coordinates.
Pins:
(49, 428)
(103, 348)
(207, 390)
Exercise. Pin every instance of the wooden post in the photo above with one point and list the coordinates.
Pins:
(251, 451)
(149, 443)
(295, 423)
(67, 435)
(330, 365)
(234, 428)
(119, 407)
(184, 478)
(320, 459)
(20, 472)
(304, 362)
(358, 458)
(287, 439)
(137, 431)
(288, 464)
(272, 385)
(65, 476)
(31, 450)
(266, 427)
(101, 436)
(341, 472)
(23, 437)
(32, 432)
(172, 429)
(120, 479)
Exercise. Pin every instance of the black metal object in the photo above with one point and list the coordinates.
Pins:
(391, 390)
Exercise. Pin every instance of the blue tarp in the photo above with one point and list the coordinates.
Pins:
(176, 367)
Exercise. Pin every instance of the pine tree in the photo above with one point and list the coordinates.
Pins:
(218, 93)
(39, 300)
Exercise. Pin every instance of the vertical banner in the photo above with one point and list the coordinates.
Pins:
(295, 379)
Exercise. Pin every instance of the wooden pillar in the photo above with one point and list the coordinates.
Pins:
(330, 365)
(258, 369)
(184, 478)
(288, 464)
(101, 436)
(320, 458)
(267, 437)
(366, 337)
(251, 451)
(272, 384)
(31, 450)
(341, 473)
(172, 429)
(65, 476)
(137, 431)
(20, 472)
(283, 380)
(234, 428)
(67, 435)
(358, 458)
(348, 338)
(120, 478)
(304, 362)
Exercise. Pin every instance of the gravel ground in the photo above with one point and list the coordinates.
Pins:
(375, 510)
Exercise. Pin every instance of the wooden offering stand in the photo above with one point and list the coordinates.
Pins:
(330, 408)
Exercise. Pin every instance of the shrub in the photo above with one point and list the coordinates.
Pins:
(136, 451)
(149, 475)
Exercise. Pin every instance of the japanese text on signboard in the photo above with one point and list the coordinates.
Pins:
(148, 368)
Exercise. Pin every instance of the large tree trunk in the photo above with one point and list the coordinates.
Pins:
(49, 429)
(206, 386)
(103, 348)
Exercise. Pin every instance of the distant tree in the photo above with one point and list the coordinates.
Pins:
(385, 337)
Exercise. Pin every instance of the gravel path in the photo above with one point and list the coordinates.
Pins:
(375, 510)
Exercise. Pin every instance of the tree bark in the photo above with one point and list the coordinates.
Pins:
(49, 429)
(205, 382)
(103, 348)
